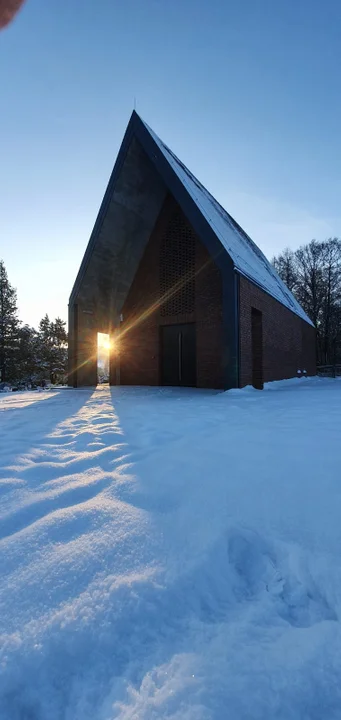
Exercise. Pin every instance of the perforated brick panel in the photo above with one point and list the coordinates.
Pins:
(140, 358)
(177, 267)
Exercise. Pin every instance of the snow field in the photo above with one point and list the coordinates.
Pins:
(171, 554)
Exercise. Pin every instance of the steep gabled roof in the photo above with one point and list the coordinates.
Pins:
(247, 258)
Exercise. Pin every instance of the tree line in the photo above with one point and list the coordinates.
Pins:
(29, 356)
(313, 274)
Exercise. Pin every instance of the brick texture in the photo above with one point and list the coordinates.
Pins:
(140, 362)
(288, 341)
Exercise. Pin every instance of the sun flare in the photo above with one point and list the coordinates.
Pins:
(104, 342)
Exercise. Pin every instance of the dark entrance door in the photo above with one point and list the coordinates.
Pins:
(178, 356)
(257, 348)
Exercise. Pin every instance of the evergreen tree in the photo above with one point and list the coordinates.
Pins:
(28, 354)
(44, 348)
(52, 348)
(9, 328)
(60, 353)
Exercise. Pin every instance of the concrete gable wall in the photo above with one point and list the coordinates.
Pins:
(128, 223)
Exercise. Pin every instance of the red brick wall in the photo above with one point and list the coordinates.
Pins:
(140, 332)
(288, 341)
(209, 320)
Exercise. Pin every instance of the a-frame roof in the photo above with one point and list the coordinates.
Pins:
(247, 258)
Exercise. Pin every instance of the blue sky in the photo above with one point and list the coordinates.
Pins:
(247, 94)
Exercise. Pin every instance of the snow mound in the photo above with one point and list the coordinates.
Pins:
(170, 554)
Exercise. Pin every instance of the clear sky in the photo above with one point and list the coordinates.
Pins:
(246, 93)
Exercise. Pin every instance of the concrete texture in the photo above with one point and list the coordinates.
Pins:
(126, 229)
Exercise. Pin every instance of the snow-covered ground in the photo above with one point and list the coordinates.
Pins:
(171, 554)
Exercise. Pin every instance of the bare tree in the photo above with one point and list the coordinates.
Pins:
(313, 274)
(285, 266)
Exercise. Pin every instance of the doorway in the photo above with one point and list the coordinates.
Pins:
(257, 348)
(178, 355)
(103, 357)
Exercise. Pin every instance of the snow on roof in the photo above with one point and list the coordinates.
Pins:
(248, 259)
